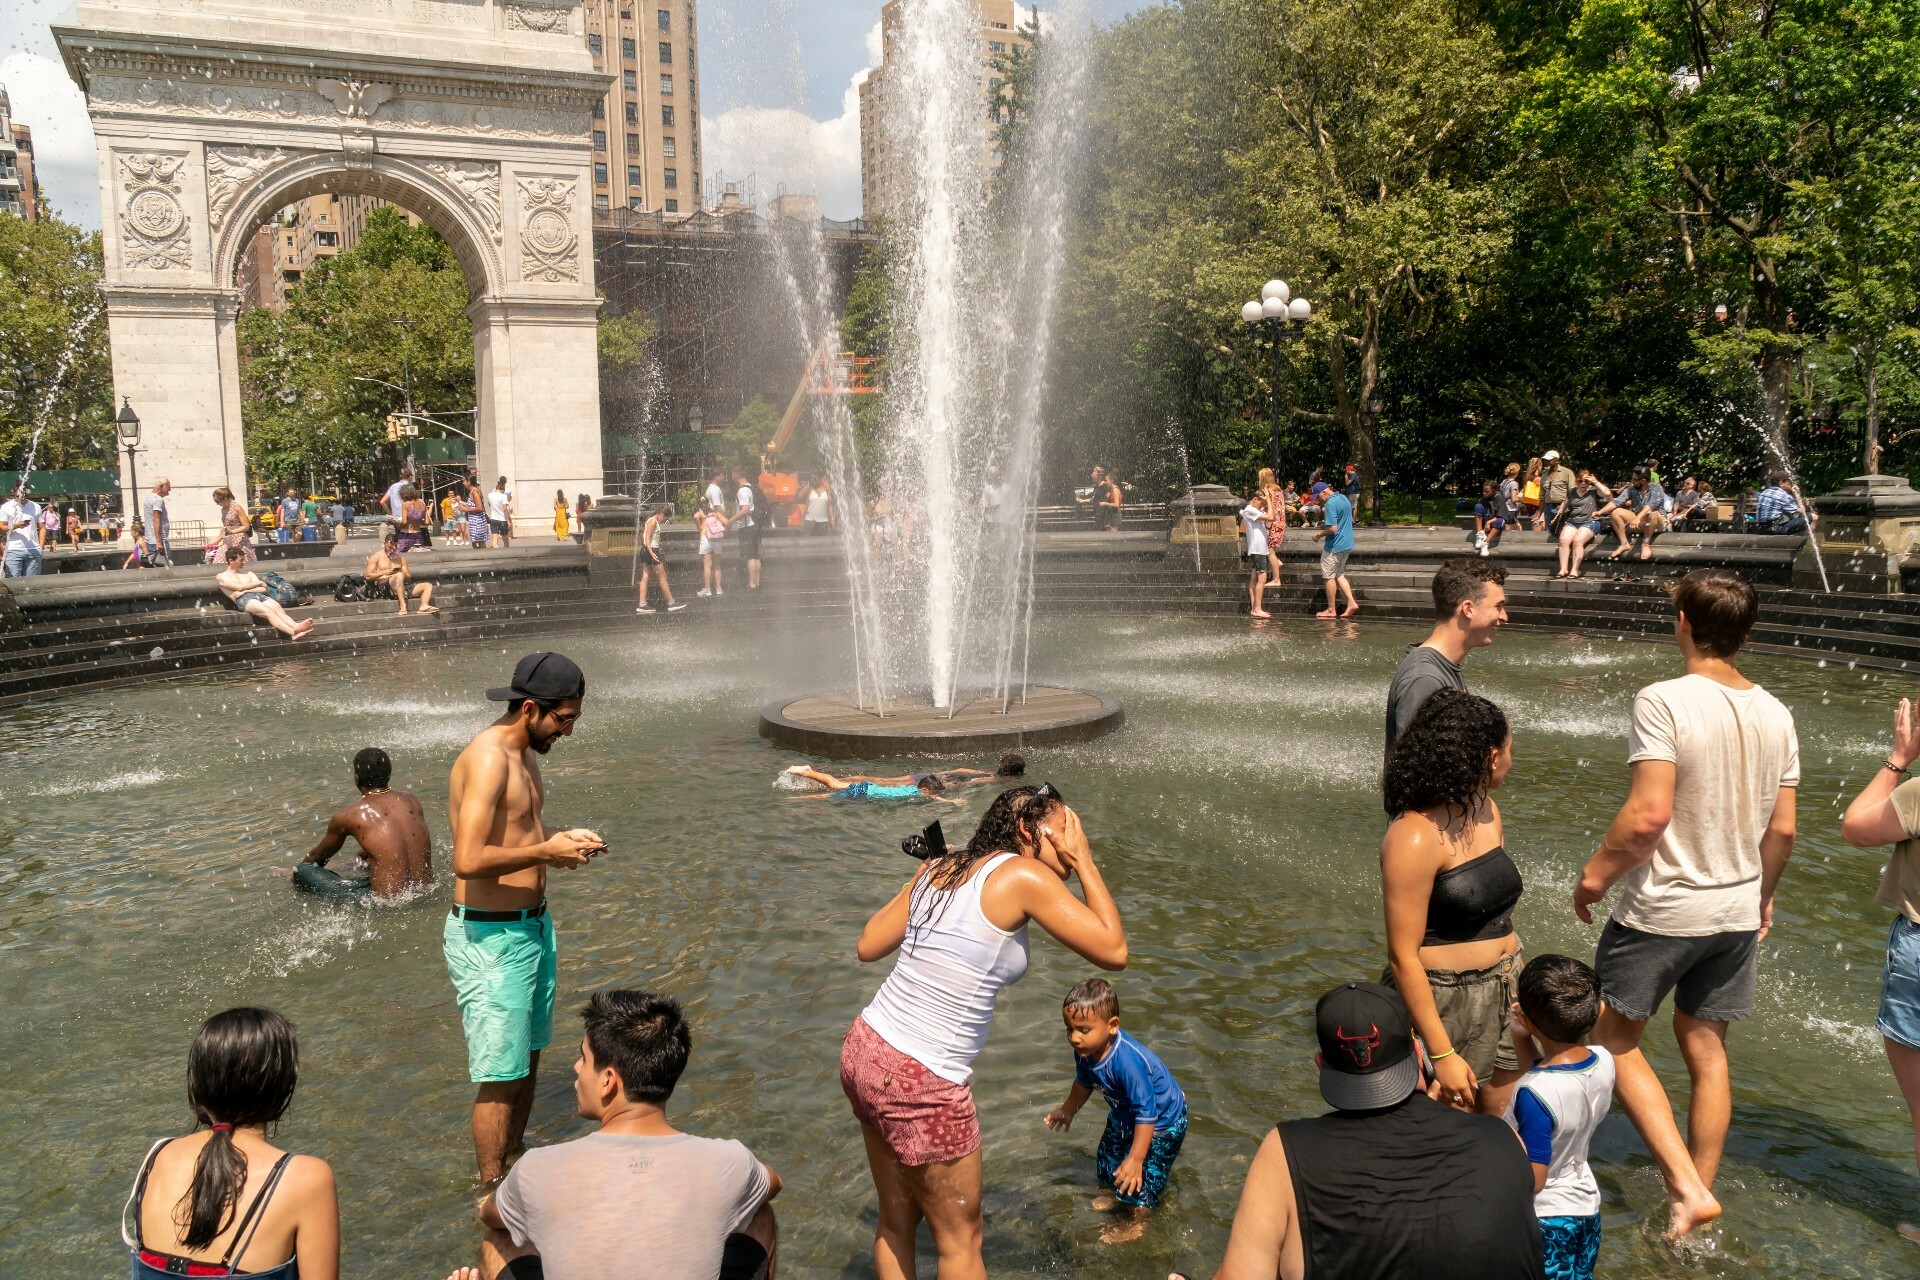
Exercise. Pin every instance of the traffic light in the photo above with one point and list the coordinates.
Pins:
(396, 428)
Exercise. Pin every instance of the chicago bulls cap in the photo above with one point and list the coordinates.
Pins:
(1367, 1058)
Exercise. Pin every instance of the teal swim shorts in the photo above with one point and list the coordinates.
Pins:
(503, 974)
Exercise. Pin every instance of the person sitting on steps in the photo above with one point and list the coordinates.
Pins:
(249, 595)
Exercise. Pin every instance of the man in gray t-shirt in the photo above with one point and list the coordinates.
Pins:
(637, 1199)
(1469, 605)
(153, 518)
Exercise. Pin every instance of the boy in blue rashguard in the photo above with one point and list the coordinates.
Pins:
(1563, 1097)
(1146, 1111)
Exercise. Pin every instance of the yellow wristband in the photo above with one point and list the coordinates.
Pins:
(1435, 1057)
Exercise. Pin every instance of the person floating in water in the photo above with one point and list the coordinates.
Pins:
(1012, 765)
(391, 830)
(926, 784)
(1146, 1110)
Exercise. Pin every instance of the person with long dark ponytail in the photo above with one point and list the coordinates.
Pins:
(224, 1201)
(960, 926)
(1450, 889)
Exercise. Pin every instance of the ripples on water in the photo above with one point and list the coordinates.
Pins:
(1236, 817)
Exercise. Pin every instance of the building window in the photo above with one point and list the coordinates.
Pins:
(632, 79)
(672, 182)
(633, 113)
(673, 206)
(664, 18)
(666, 146)
(327, 239)
(633, 175)
(626, 48)
(601, 203)
(634, 203)
(666, 116)
(593, 43)
(600, 111)
(666, 86)
(997, 46)
(600, 172)
(633, 144)
(599, 139)
(666, 52)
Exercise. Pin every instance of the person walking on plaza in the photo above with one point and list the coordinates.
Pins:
(746, 520)
(1389, 1185)
(1469, 608)
(1337, 532)
(1254, 517)
(1556, 482)
(819, 514)
(712, 520)
(499, 940)
(235, 532)
(309, 519)
(74, 527)
(479, 527)
(20, 522)
(960, 928)
(500, 514)
(1269, 488)
(228, 1202)
(159, 527)
(394, 494)
(1529, 500)
(288, 521)
(1887, 812)
(1701, 843)
(562, 515)
(653, 563)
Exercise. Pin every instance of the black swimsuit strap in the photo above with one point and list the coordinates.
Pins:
(255, 1215)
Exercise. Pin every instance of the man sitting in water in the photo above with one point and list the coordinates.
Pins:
(249, 595)
(391, 829)
(928, 785)
(1012, 765)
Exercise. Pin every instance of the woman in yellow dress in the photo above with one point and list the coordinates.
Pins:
(560, 515)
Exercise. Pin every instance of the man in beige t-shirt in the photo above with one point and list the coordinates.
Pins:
(1700, 844)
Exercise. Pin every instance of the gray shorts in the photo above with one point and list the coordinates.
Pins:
(1333, 564)
(1711, 977)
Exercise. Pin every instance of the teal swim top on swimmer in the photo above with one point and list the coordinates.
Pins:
(877, 791)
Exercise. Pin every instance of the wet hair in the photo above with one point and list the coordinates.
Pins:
(1561, 997)
(372, 768)
(1444, 759)
(1720, 607)
(1009, 822)
(241, 1070)
(664, 511)
(1461, 579)
(1012, 765)
(931, 785)
(643, 1037)
(1092, 995)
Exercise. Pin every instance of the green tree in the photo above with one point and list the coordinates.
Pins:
(54, 364)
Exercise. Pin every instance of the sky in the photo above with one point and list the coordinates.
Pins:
(779, 86)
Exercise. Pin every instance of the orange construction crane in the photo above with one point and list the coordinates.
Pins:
(828, 373)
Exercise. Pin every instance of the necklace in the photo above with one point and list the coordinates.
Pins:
(377, 791)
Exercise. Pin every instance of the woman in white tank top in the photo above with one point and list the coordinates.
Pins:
(960, 926)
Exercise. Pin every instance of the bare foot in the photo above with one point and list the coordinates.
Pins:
(1909, 1232)
(1104, 1202)
(465, 1273)
(1688, 1216)
(428, 608)
(1646, 552)
(1262, 614)
(1351, 610)
(1326, 613)
(1127, 1230)
(1622, 551)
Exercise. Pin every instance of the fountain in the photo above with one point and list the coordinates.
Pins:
(942, 590)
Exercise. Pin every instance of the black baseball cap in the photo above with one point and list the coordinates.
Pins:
(1367, 1058)
(546, 677)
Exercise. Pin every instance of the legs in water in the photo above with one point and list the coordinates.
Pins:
(1704, 1046)
(1906, 1071)
(945, 1195)
(500, 1112)
(1638, 1089)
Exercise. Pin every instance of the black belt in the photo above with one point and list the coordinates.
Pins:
(497, 917)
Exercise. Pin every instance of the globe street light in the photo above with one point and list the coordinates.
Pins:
(127, 424)
(1286, 319)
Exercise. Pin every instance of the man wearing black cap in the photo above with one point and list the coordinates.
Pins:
(1390, 1184)
(499, 939)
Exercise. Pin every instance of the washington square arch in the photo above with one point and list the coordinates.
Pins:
(210, 115)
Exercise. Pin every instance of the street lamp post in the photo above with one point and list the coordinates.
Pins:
(1286, 319)
(127, 424)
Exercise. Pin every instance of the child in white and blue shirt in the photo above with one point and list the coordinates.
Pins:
(1565, 1094)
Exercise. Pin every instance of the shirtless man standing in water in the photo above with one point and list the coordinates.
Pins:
(499, 939)
(390, 829)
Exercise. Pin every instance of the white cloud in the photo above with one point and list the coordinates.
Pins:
(52, 105)
(781, 146)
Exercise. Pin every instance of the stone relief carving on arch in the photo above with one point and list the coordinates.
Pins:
(232, 170)
(548, 244)
(154, 226)
(536, 17)
(478, 181)
(274, 104)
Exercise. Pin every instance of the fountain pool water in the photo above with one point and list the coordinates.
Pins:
(1240, 836)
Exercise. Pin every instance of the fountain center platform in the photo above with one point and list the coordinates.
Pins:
(834, 725)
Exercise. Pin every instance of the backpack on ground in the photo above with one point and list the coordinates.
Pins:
(350, 589)
(288, 595)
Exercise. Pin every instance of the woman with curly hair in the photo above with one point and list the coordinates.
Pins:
(1450, 890)
(960, 926)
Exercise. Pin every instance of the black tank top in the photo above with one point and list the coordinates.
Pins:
(1474, 901)
(1416, 1190)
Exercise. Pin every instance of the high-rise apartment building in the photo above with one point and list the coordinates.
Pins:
(18, 194)
(1000, 37)
(284, 248)
(646, 133)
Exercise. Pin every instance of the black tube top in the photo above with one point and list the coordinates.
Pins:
(1474, 901)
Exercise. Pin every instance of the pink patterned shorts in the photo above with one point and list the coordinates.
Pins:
(923, 1118)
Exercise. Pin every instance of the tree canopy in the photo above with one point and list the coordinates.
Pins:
(55, 370)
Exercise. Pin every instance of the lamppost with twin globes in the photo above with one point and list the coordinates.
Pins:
(1286, 319)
